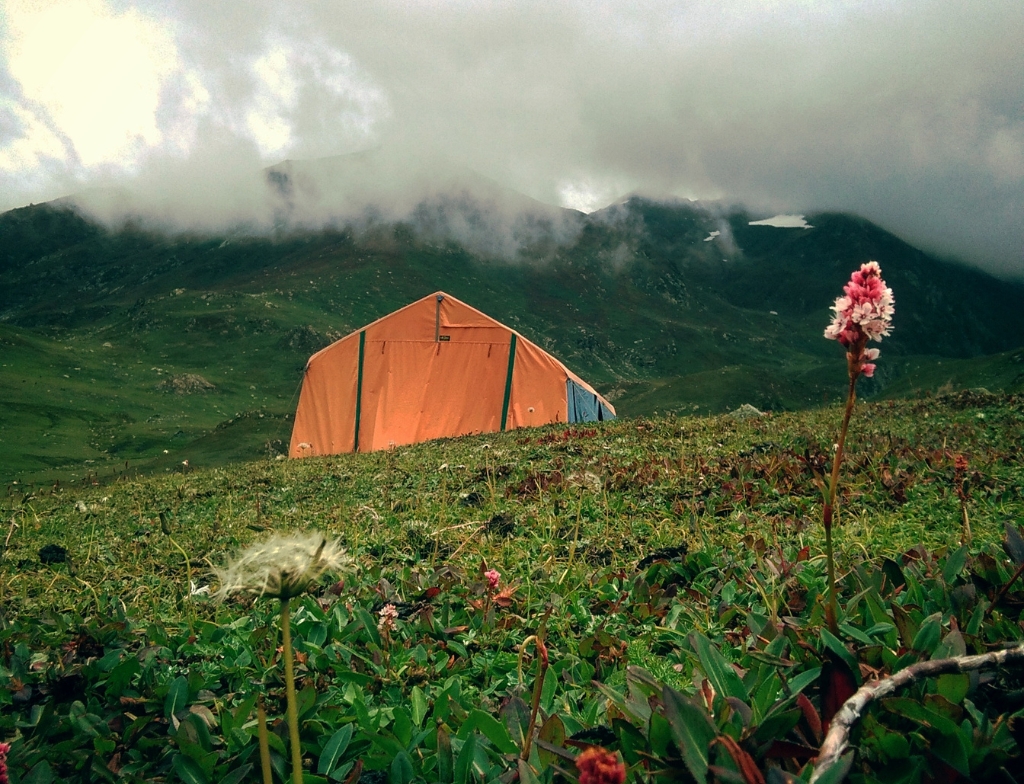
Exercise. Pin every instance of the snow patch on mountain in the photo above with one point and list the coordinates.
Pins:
(784, 222)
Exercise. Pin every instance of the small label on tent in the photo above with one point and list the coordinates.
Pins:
(444, 337)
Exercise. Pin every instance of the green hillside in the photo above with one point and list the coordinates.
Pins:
(665, 561)
(131, 349)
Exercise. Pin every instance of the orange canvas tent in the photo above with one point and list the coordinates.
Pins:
(433, 369)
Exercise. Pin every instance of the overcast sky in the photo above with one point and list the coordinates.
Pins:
(909, 112)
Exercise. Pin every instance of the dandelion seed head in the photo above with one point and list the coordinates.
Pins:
(281, 567)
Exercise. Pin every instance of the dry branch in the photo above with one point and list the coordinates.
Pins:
(842, 723)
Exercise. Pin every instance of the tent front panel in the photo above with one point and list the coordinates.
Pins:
(419, 390)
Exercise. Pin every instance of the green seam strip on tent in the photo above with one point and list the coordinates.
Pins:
(508, 382)
(359, 387)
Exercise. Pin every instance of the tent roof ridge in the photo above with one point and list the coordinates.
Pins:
(575, 377)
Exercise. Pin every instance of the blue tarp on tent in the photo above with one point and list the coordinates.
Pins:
(584, 406)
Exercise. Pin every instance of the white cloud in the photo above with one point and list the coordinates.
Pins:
(97, 75)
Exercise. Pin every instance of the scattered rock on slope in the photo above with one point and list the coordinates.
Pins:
(186, 384)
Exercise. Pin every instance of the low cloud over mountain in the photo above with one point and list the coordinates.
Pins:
(908, 113)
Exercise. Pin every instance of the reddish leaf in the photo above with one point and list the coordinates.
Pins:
(746, 764)
(810, 715)
(839, 685)
(356, 772)
(804, 554)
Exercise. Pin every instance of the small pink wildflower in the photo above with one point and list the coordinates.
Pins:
(493, 578)
(388, 615)
(864, 313)
(4, 750)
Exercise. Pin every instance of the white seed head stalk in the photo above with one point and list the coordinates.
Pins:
(282, 566)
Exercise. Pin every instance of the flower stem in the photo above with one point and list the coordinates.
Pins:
(261, 719)
(289, 685)
(965, 530)
(831, 609)
(538, 686)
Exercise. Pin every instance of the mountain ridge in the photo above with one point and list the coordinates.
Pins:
(636, 302)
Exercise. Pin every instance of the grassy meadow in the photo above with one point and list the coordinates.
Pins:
(671, 565)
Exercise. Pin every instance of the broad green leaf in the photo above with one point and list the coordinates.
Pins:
(929, 635)
(953, 686)
(857, 634)
(445, 765)
(893, 744)
(1014, 543)
(240, 715)
(552, 731)
(915, 711)
(954, 565)
(305, 700)
(334, 749)
(631, 741)
(464, 764)
(894, 574)
(402, 726)
(516, 715)
(275, 743)
(401, 769)
(953, 751)
(777, 725)
(692, 731)
(905, 624)
(527, 775)
(547, 694)
(837, 773)
(369, 625)
(490, 728)
(177, 696)
(238, 775)
(835, 645)
(718, 670)
(341, 772)
(418, 701)
(121, 676)
(41, 773)
(387, 744)
(881, 629)
(800, 682)
(952, 645)
(659, 735)
(188, 770)
(194, 729)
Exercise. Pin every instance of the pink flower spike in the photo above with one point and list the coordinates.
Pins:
(493, 578)
(388, 615)
(863, 314)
